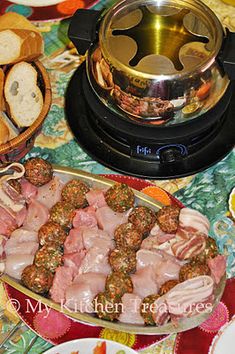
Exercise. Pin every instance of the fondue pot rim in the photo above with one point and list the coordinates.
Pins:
(202, 67)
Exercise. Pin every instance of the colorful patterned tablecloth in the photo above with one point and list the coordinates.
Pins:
(207, 191)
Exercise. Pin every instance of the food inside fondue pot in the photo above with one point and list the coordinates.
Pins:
(99, 252)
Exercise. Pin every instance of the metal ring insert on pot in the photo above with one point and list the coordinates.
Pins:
(155, 61)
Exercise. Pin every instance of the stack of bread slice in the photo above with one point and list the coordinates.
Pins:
(20, 96)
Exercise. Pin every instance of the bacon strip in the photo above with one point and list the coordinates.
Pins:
(192, 220)
(7, 197)
(160, 311)
(190, 247)
(183, 299)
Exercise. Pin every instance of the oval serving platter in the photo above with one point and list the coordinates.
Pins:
(96, 181)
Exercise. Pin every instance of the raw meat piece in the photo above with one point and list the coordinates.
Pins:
(144, 282)
(62, 279)
(85, 217)
(148, 258)
(11, 205)
(182, 300)
(28, 190)
(74, 260)
(24, 235)
(166, 248)
(108, 220)
(50, 193)
(79, 297)
(11, 199)
(191, 220)
(20, 216)
(37, 215)
(95, 280)
(167, 270)
(185, 248)
(217, 267)
(151, 243)
(7, 222)
(95, 198)
(160, 311)
(159, 236)
(15, 264)
(13, 193)
(131, 309)
(13, 246)
(155, 241)
(74, 241)
(96, 261)
(165, 266)
(3, 240)
(97, 238)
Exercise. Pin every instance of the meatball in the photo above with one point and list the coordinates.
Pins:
(210, 251)
(37, 279)
(146, 309)
(123, 260)
(168, 218)
(74, 192)
(143, 219)
(62, 213)
(120, 197)
(15, 184)
(49, 257)
(193, 270)
(127, 236)
(118, 283)
(167, 286)
(106, 307)
(51, 232)
(38, 171)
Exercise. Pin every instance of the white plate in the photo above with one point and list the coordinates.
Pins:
(223, 343)
(37, 2)
(87, 346)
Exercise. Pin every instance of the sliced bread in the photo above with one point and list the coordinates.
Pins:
(17, 45)
(22, 94)
(4, 131)
(2, 77)
(16, 21)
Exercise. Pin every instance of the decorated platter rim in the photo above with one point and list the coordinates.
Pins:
(183, 324)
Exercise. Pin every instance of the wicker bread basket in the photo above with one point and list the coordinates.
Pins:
(18, 147)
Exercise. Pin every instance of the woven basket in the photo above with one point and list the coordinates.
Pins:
(18, 147)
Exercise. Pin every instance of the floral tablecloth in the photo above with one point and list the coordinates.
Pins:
(207, 191)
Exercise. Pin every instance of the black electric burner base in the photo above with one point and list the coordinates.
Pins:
(168, 159)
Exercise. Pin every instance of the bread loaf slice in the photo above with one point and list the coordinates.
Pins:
(22, 94)
(16, 21)
(13, 131)
(4, 131)
(17, 45)
(2, 77)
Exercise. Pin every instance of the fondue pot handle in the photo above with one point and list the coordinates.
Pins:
(227, 55)
(83, 29)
